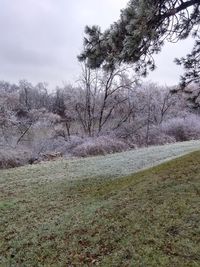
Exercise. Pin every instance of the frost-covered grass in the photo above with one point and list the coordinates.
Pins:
(113, 165)
(150, 218)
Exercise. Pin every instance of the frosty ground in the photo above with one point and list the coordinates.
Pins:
(74, 213)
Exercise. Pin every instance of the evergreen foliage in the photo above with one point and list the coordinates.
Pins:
(191, 64)
(140, 32)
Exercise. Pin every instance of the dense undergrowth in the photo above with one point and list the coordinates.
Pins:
(150, 218)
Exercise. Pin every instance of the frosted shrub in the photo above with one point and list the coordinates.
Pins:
(138, 137)
(99, 146)
(56, 145)
(154, 137)
(50, 145)
(10, 158)
(74, 142)
(157, 137)
(183, 129)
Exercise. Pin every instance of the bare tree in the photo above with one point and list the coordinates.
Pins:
(103, 93)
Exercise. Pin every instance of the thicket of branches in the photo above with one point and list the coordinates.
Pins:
(106, 112)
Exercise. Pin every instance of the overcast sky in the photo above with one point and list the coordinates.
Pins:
(40, 40)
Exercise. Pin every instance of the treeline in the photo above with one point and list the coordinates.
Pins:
(106, 112)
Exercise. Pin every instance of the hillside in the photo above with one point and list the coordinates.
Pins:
(51, 216)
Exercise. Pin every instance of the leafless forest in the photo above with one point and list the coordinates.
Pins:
(105, 112)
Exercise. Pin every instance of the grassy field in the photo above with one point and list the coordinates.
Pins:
(150, 218)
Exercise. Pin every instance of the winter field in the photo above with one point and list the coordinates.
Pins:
(73, 213)
(113, 165)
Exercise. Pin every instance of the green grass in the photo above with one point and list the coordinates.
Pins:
(151, 218)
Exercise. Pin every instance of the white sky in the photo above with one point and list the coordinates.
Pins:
(40, 40)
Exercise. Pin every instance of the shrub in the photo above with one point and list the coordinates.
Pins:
(157, 137)
(57, 145)
(50, 145)
(138, 138)
(10, 158)
(99, 146)
(183, 129)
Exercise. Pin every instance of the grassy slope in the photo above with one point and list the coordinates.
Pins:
(109, 166)
(150, 218)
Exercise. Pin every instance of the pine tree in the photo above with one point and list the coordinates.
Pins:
(141, 31)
